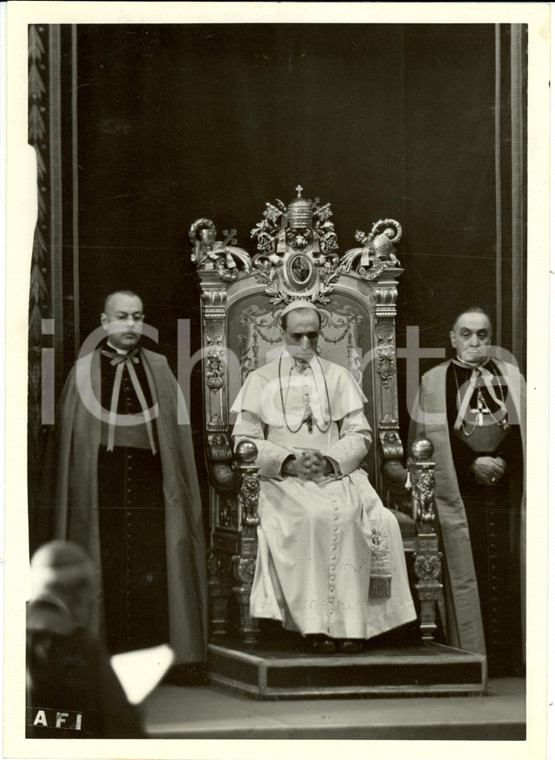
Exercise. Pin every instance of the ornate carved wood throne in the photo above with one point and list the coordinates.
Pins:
(241, 297)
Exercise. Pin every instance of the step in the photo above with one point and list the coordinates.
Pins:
(271, 673)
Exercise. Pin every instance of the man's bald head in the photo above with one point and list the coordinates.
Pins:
(123, 319)
(108, 300)
(472, 310)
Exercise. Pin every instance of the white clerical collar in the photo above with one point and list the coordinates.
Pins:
(120, 351)
(286, 354)
(467, 365)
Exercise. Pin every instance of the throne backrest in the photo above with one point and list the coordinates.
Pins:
(244, 292)
(255, 337)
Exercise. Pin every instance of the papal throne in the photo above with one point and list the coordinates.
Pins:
(297, 256)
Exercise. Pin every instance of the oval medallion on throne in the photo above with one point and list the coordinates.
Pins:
(299, 272)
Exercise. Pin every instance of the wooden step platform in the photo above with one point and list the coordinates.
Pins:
(276, 671)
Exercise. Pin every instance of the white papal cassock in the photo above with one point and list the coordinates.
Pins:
(319, 543)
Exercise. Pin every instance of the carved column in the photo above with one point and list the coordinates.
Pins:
(375, 262)
(385, 355)
(218, 445)
(233, 488)
(245, 561)
(427, 564)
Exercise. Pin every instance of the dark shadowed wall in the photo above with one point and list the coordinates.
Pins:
(178, 122)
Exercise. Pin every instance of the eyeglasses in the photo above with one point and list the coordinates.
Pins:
(122, 316)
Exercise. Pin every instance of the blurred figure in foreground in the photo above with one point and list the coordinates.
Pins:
(71, 691)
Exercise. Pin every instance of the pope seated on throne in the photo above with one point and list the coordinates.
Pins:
(330, 562)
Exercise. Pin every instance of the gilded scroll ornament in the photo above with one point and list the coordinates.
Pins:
(228, 513)
(213, 301)
(391, 445)
(385, 332)
(296, 245)
(432, 594)
(427, 567)
(302, 225)
(243, 568)
(209, 253)
(377, 251)
(385, 299)
(219, 447)
(214, 369)
(386, 364)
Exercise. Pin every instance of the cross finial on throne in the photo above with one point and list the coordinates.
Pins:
(299, 190)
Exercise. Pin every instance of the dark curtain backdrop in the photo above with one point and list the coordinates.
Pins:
(177, 122)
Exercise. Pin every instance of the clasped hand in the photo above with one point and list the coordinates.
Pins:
(310, 465)
(488, 470)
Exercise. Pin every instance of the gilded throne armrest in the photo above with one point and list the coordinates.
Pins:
(410, 496)
(235, 543)
(427, 557)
